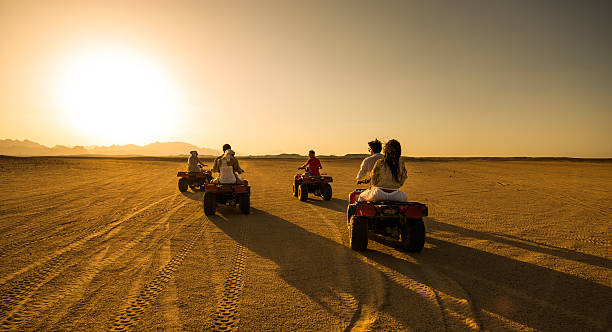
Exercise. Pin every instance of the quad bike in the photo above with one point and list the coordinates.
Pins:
(317, 185)
(227, 194)
(400, 220)
(194, 180)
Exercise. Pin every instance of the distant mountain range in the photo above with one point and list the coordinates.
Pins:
(26, 147)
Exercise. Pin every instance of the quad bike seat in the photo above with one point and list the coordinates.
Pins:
(382, 208)
(387, 203)
(316, 177)
(192, 174)
(244, 183)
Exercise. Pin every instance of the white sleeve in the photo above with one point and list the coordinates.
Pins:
(362, 171)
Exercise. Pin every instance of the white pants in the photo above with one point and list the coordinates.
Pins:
(377, 194)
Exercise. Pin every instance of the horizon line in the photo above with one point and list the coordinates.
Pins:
(296, 156)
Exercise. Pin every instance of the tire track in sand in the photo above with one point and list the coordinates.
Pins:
(76, 290)
(19, 314)
(169, 299)
(226, 317)
(54, 260)
(149, 293)
(432, 301)
(23, 310)
(54, 232)
(587, 322)
(452, 301)
(444, 295)
(455, 302)
(359, 315)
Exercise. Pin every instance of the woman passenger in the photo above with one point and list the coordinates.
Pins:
(388, 175)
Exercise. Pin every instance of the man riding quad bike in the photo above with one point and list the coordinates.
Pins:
(228, 188)
(312, 181)
(317, 185)
(196, 176)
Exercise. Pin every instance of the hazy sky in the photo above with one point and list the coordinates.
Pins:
(449, 78)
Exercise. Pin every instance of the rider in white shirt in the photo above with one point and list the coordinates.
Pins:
(367, 164)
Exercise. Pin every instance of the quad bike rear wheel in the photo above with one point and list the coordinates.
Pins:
(303, 192)
(350, 211)
(413, 235)
(244, 203)
(210, 203)
(358, 233)
(183, 185)
(326, 191)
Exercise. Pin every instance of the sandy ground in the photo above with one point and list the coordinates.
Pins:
(89, 244)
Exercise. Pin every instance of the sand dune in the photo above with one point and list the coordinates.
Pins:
(90, 244)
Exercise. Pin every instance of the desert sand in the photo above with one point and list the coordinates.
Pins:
(99, 244)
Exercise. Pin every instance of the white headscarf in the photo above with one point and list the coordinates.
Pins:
(229, 153)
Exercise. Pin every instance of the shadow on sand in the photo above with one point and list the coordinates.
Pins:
(523, 244)
(196, 196)
(307, 262)
(532, 295)
(334, 204)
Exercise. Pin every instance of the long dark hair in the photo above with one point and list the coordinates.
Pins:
(392, 152)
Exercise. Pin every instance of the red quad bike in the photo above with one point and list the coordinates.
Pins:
(193, 180)
(318, 185)
(400, 220)
(227, 194)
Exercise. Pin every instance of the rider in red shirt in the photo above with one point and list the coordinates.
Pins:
(313, 163)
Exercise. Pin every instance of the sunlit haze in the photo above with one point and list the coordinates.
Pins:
(118, 96)
(474, 78)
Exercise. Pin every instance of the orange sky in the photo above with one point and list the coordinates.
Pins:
(474, 78)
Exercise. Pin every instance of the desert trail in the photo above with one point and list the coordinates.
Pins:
(111, 244)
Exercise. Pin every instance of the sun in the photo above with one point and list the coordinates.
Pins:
(118, 95)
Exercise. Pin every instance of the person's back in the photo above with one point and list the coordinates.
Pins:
(226, 171)
(368, 163)
(227, 166)
(382, 176)
(388, 175)
(313, 164)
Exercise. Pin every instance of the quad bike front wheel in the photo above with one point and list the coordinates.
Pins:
(210, 203)
(413, 235)
(303, 192)
(244, 203)
(183, 185)
(358, 233)
(326, 191)
(294, 188)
